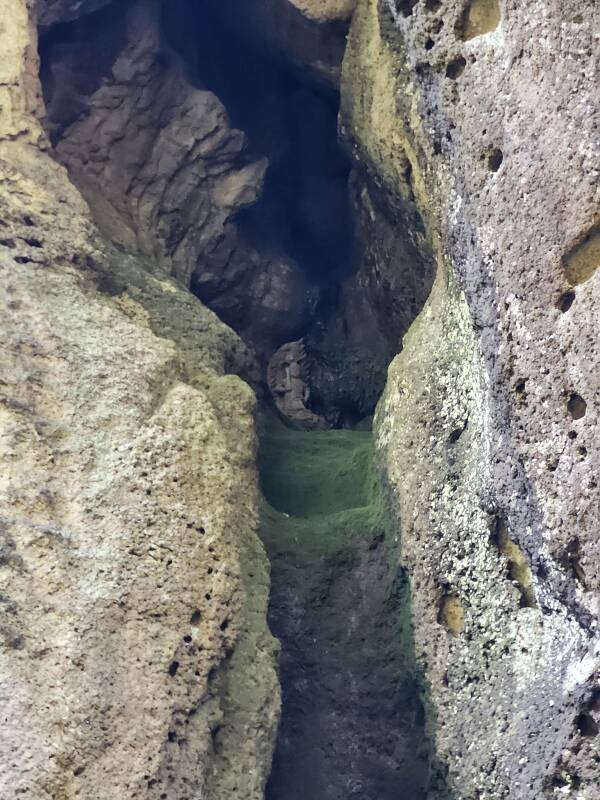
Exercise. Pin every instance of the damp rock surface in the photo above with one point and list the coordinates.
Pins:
(352, 723)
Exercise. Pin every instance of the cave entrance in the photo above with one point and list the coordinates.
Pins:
(289, 117)
(352, 721)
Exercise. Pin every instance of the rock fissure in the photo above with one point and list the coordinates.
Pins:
(231, 232)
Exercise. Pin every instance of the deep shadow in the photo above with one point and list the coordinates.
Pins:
(289, 118)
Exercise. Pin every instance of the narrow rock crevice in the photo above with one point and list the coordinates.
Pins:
(352, 720)
(200, 141)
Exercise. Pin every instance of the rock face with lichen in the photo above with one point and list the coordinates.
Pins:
(487, 430)
(133, 585)
(135, 658)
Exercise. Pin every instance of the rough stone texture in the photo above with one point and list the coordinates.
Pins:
(163, 170)
(487, 432)
(347, 361)
(266, 299)
(20, 96)
(286, 378)
(324, 10)
(309, 33)
(133, 585)
(161, 153)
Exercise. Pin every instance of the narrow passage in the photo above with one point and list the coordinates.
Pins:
(352, 724)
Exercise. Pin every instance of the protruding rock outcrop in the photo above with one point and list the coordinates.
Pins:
(133, 585)
(287, 381)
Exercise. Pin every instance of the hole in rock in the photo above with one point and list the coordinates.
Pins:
(565, 301)
(583, 259)
(495, 159)
(519, 569)
(405, 7)
(479, 17)
(195, 618)
(587, 725)
(576, 406)
(452, 614)
(456, 67)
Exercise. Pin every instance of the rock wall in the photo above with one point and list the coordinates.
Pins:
(161, 165)
(487, 431)
(135, 656)
(154, 156)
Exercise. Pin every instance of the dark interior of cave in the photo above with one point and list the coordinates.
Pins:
(289, 118)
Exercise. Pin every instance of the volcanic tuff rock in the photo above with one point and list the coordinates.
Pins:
(324, 10)
(134, 588)
(487, 431)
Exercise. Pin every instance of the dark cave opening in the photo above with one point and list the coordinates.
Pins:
(289, 118)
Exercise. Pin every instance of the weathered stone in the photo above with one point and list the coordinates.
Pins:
(348, 360)
(159, 153)
(324, 10)
(487, 432)
(133, 585)
(287, 380)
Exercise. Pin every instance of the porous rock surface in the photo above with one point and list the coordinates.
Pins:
(487, 432)
(324, 10)
(133, 585)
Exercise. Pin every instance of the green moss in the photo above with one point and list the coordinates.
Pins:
(341, 606)
(324, 510)
(311, 473)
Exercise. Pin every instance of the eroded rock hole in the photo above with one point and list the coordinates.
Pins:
(456, 67)
(576, 406)
(495, 159)
(519, 568)
(565, 301)
(587, 725)
(405, 7)
(583, 259)
(479, 17)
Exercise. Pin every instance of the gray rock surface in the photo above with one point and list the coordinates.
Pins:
(348, 352)
(287, 381)
(487, 432)
(163, 169)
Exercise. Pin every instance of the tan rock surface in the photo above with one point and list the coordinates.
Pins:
(135, 657)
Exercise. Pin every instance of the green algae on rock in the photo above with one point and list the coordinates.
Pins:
(352, 716)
